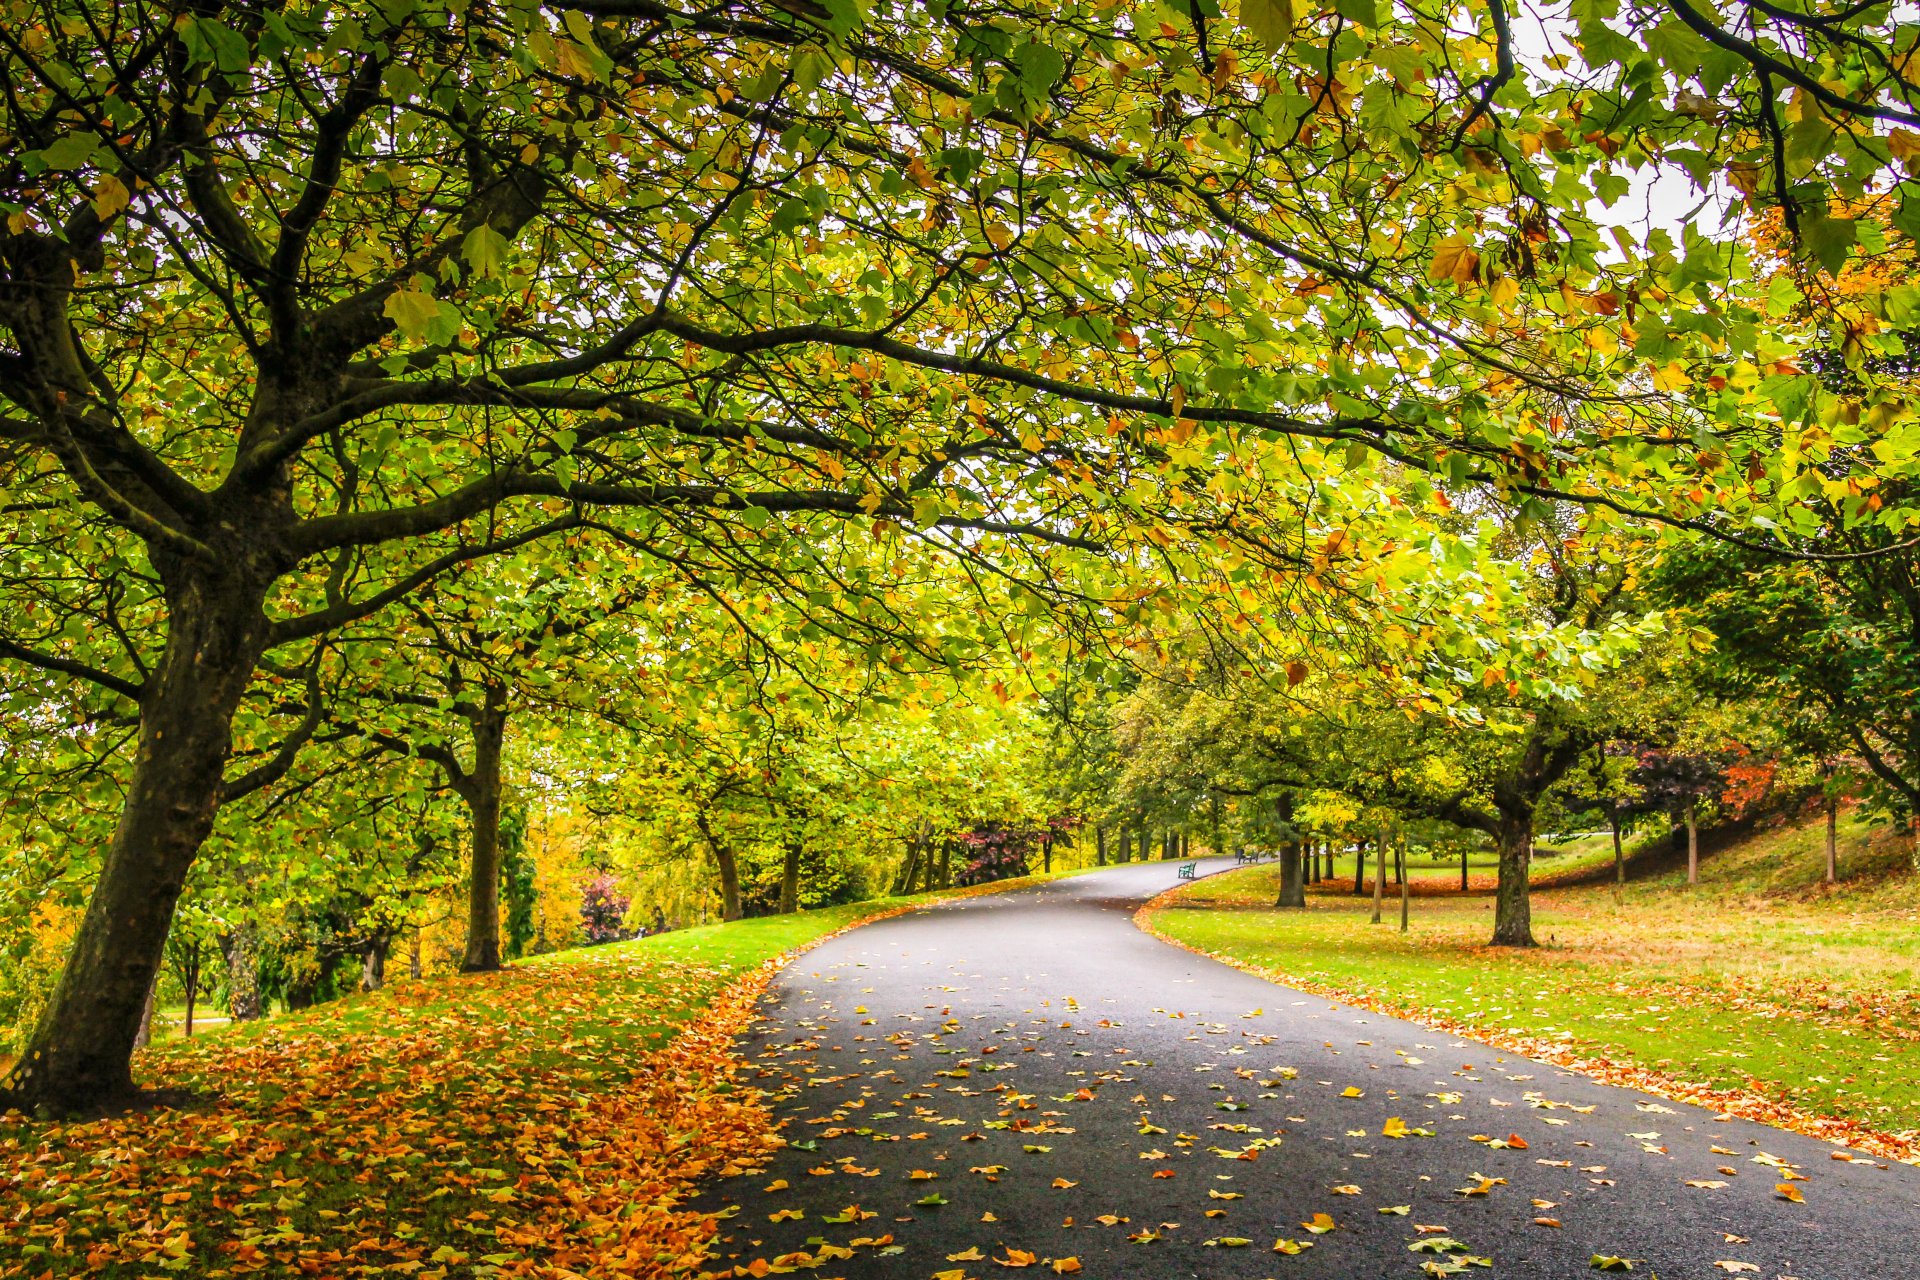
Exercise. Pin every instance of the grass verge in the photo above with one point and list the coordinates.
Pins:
(1757, 992)
(550, 1119)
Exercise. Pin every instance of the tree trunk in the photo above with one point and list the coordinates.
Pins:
(790, 877)
(728, 866)
(1619, 859)
(414, 969)
(79, 1055)
(1046, 852)
(1463, 869)
(192, 985)
(1099, 846)
(1513, 904)
(373, 962)
(1833, 839)
(921, 834)
(946, 865)
(243, 977)
(481, 790)
(1693, 844)
(144, 1036)
(1311, 851)
(1400, 860)
(1293, 890)
(1359, 867)
(1403, 903)
(1379, 874)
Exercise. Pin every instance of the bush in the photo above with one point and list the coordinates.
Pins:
(603, 910)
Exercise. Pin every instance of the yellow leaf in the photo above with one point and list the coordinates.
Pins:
(110, 196)
(1351, 1092)
(1454, 259)
(1787, 1191)
(1320, 1224)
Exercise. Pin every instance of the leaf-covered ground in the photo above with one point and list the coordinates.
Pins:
(548, 1120)
(1757, 981)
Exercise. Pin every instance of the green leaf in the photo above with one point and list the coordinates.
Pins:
(1268, 21)
(71, 151)
(485, 250)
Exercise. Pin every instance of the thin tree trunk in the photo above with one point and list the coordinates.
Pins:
(1379, 874)
(193, 988)
(481, 790)
(80, 1052)
(1693, 844)
(790, 877)
(1619, 860)
(1046, 852)
(1464, 851)
(414, 969)
(1403, 903)
(903, 883)
(1359, 867)
(1400, 860)
(1099, 846)
(1833, 838)
(1513, 904)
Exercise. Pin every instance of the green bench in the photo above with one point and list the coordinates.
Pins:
(1187, 870)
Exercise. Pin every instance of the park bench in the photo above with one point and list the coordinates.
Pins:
(1246, 855)
(1186, 870)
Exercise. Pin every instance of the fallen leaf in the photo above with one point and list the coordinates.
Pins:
(1787, 1191)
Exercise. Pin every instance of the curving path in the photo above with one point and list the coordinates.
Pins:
(1039, 1037)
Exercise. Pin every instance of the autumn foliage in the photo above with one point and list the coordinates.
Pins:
(534, 1122)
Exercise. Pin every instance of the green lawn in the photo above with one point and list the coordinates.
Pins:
(1759, 978)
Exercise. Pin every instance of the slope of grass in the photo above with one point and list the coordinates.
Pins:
(545, 1117)
(1760, 978)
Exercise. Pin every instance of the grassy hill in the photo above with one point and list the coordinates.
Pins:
(1760, 981)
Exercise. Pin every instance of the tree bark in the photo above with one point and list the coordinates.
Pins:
(373, 962)
(1833, 838)
(144, 1036)
(414, 969)
(1099, 846)
(790, 877)
(1693, 844)
(243, 977)
(1463, 869)
(1403, 903)
(1293, 890)
(1379, 874)
(481, 790)
(1359, 867)
(192, 985)
(1512, 904)
(79, 1055)
(727, 865)
(1619, 859)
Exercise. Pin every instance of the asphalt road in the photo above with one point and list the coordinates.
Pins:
(991, 1051)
